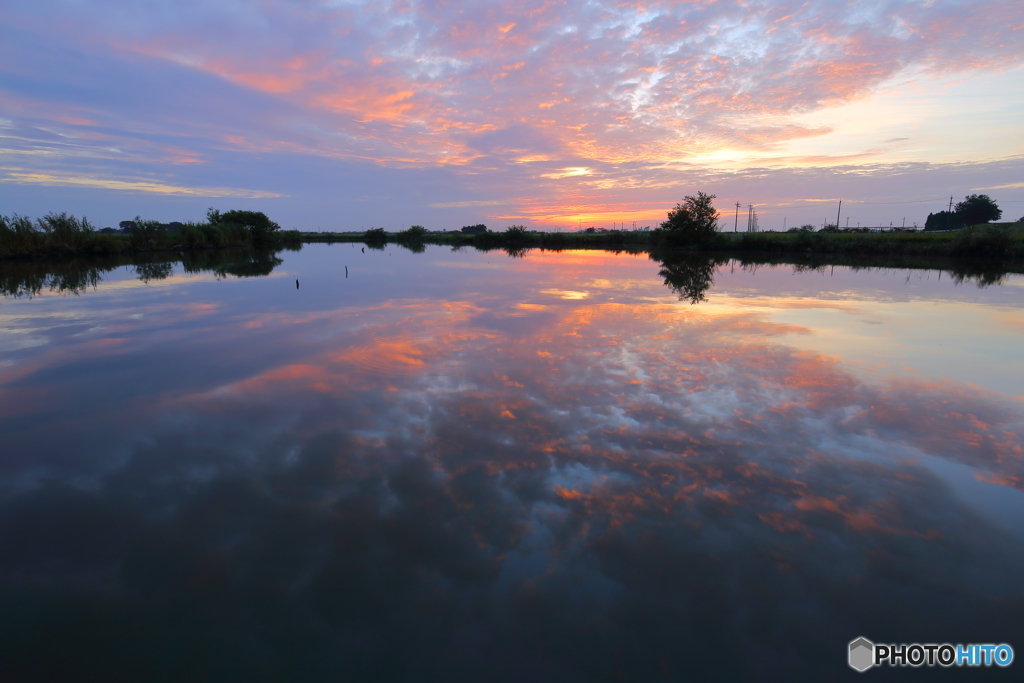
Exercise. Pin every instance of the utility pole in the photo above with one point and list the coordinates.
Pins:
(737, 223)
(839, 212)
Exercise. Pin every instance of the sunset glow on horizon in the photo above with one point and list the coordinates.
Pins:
(557, 115)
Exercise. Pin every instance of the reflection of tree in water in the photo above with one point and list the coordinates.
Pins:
(689, 275)
(245, 263)
(30, 278)
(74, 276)
(236, 543)
(160, 270)
(976, 271)
(260, 264)
(415, 246)
(983, 273)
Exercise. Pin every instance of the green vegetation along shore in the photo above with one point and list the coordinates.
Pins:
(65, 235)
(693, 225)
(1003, 241)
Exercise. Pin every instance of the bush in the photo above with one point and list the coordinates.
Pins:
(60, 233)
(982, 240)
(811, 241)
(146, 234)
(18, 236)
(260, 228)
(516, 233)
(415, 233)
(64, 232)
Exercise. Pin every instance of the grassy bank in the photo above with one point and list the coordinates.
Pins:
(64, 235)
(57, 235)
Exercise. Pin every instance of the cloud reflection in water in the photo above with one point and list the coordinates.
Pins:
(575, 489)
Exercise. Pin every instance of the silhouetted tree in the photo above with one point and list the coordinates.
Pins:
(694, 217)
(415, 233)
(977, 208)
(375, 237)
(515, 233)
(145, 234)
(943, 220)
(260, 227)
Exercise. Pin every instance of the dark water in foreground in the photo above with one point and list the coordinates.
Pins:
(466, 467)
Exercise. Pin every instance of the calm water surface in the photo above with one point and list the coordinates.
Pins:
(464, 466)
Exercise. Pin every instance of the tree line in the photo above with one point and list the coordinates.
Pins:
(63, 234)
(973, 210)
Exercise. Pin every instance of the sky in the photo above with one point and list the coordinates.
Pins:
(335, 115)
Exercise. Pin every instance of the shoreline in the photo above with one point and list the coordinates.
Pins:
(687, 270)
(1000, 241)
(991, 241)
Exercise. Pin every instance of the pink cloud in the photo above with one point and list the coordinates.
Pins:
(613, 82)
(629, 90)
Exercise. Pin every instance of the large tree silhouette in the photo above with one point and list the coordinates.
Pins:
(694, 217)
(977, 208)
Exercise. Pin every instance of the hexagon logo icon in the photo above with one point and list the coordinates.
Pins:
(862, 654)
